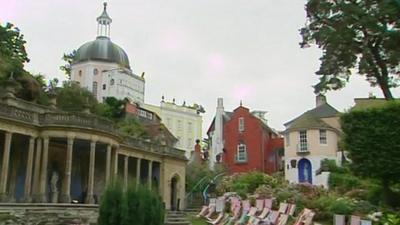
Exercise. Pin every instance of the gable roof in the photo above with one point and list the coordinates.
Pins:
(313, 118)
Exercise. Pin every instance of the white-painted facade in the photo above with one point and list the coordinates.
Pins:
(308, 144)
(105, 79)
(217, 135)
(184, 122)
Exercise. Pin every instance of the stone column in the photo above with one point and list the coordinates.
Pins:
(138, 171)
(89, 197)
(150, 174)
(126, 167)
(108, 164)
(115, 164)
(66, 188)
(4, 167)
(29, 165)
(36, 172)
(43, 172)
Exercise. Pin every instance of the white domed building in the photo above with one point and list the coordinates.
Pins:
(103, 67)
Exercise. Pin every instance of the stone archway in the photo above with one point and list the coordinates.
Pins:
(174, 192)
(305, 171)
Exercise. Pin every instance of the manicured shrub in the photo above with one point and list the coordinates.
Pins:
(137, 205)
(111, 205)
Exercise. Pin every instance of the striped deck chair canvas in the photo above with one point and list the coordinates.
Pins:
(339, 220)
(355, 220)
(291, 209)
(283, 208)
(220, 204)
(246, 205)
(259, 204)
(366, 222)
(268, 203)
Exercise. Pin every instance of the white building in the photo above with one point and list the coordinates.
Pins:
(184, 122)
(309, 139)
(103, 67)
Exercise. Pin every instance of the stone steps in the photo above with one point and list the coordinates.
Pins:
(176, 218)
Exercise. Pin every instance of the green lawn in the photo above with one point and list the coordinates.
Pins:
(196, 221)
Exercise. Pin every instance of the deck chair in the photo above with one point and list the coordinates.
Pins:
(243, 218)
(217, 220)
(252, 211)
(268, 203)
(211, 211)
(283, 208)
(220, 205)
(291, 209)
(260, 204)
(283, 219)
(339, 220)
(264, 213)
(246, 205)
(355, 220)
(309, 218)
(272, 218)
(203, 211)
(366, 222)
(302, 217)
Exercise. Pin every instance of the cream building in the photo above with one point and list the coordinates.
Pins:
(184, 122)
(309, 139)
(103, 67)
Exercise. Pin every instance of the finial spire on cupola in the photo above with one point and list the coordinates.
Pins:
(104, 21)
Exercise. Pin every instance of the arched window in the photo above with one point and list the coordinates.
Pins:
(95, 71)
(241, 155)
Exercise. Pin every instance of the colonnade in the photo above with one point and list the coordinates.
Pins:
(37, 174)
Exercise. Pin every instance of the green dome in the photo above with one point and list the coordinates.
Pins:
(102, 49)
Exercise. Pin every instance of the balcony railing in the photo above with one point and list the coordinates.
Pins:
(303, 148)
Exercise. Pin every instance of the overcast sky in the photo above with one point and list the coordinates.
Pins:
(193, 50)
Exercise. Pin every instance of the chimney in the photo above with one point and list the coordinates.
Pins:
(320, 99)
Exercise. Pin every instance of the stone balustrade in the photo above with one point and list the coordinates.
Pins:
(51, 118)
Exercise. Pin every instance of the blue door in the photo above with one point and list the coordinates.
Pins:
(305, 171)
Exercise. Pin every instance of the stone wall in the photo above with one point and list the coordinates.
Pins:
(48, 214)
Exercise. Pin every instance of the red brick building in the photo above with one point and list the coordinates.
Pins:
(248, 142)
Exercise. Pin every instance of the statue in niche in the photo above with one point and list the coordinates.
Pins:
(54, 186)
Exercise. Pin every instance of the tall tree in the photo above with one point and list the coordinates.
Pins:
(355, 35)
(12, 51)
(68, 58)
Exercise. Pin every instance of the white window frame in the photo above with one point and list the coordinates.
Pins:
(303, 143)
(323, 137)
(241, 124)
(241, 153)
(94, 88)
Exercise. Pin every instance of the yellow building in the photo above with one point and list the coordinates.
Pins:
(184, 122)
(52, 156)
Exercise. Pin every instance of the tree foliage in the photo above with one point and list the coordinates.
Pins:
(68, 58)
(12, 51)
(72, 97)
(132, 127)
(111, 108)
(355, 35)
(372, 138)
